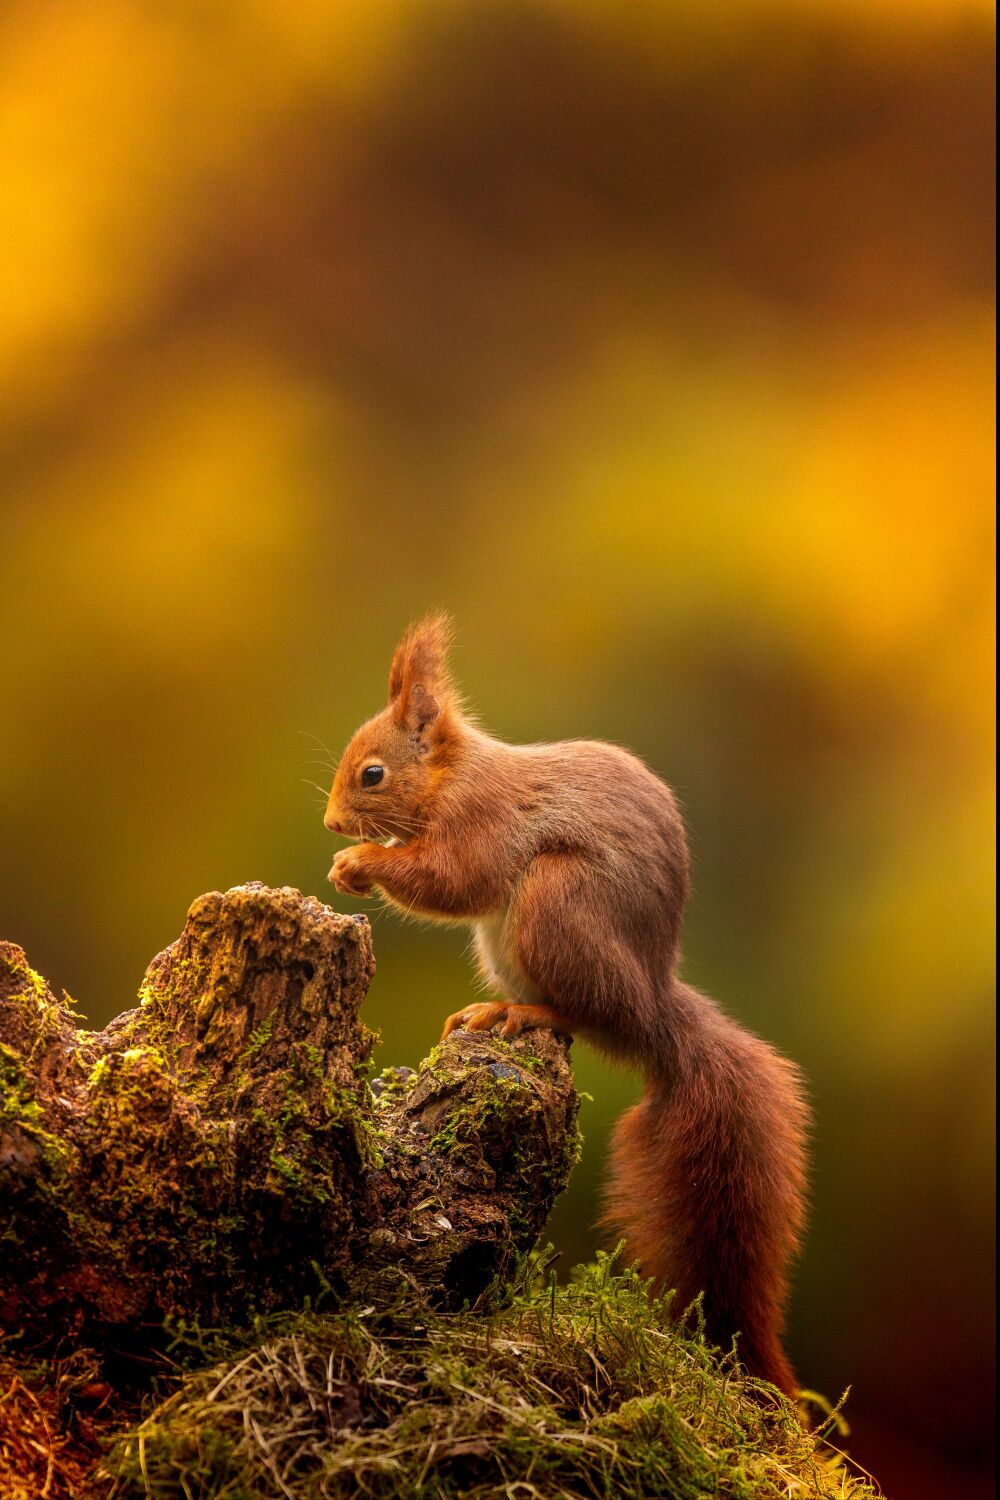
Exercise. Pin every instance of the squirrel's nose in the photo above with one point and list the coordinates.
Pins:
(333, 825)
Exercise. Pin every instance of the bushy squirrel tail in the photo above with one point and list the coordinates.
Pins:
(707, 1180)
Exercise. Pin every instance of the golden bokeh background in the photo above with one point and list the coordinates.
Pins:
(656, 343)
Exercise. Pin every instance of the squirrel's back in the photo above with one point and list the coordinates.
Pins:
(591, 798)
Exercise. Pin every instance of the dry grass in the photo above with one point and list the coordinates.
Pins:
(55, 1417)
(585, 1392)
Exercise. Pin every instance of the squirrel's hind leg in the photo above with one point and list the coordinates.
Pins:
(570, 923)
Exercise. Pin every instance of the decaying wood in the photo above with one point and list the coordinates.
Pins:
(219, 1150)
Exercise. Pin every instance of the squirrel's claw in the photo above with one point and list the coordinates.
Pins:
(347, 873)
(482, 1016)
(486, 1015)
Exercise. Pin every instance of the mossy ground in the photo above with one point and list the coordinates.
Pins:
(578, 1391)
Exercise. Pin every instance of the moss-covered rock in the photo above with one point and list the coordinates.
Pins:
(214, 1166)
(217, 1151)
(475, 1147)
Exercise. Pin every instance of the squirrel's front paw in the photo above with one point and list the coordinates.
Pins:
(348, 872)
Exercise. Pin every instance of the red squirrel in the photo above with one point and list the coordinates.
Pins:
(570, 864)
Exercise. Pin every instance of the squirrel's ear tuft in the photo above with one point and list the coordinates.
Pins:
(419, 681)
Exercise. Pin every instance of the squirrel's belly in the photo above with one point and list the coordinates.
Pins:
(498, 961)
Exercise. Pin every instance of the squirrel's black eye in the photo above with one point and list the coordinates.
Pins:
(372, 775)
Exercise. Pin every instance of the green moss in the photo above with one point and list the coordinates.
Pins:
(371, 1143)
(18, 1106)
(290, 1171)
(392, 1086)
(260, 1037)
(437, 1067)
(33, 1019)
(31, 985)
(311, 1103)
(495, 1102)
(99, 1073)
(579, 1391)
(16, 1099)
(499, 1114)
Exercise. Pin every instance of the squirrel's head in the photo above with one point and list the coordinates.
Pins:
(390, 769)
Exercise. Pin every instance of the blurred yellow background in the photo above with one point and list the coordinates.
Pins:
(656, 343)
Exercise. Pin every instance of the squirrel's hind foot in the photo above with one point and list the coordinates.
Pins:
(484, 1015)
(487, 1015)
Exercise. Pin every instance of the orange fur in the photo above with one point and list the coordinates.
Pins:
(570, 863)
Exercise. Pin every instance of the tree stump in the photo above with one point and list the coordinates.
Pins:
(219, 1151)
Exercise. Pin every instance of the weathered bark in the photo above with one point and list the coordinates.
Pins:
(218, 1150)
